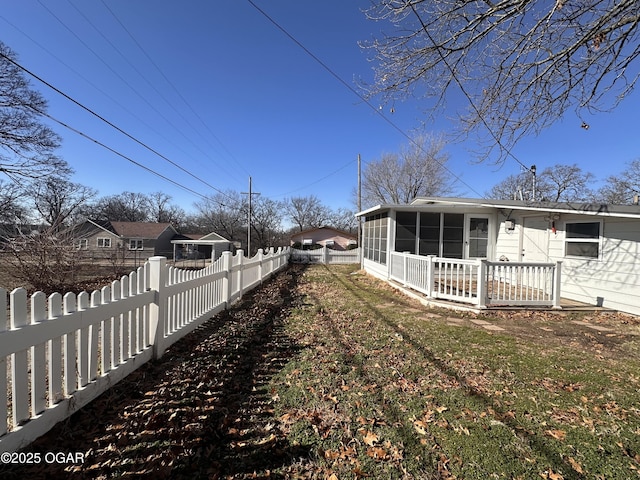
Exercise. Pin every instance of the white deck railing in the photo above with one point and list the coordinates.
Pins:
(64, 351)
(479, 282)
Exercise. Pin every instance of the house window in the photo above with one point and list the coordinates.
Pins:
(104, 242)
(582, 239)
(135, 244)
(406, 232)
(453, 235)
(440, 234)
(430, 234)
(82, 244)
(375, 238)
(478, 237)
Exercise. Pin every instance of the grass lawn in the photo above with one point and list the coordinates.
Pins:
(386, 388)
(327, 373)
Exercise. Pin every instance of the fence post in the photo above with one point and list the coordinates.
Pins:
(260, 259)
(240, 255)
(157, 310)
(325, 255)
(227, 281)
(482, 283)
(431, 274)
(557, 285)
(271, 255)
(405, 264)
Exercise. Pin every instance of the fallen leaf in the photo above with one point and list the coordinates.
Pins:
(377, 453)
(369, 437)
(420, 426)
(575, 465)
(557, 434)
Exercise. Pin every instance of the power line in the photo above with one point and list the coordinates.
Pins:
(107, 95)
(356, 93)
(87, 109)
(176, 90)
(112, 150)
(101, 59)
(315, 182)
(464, 90)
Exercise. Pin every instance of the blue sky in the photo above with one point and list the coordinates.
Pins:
(223, 93)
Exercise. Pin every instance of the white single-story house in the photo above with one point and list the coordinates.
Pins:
(496, 252)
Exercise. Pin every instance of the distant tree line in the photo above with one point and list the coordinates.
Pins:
(569, 183)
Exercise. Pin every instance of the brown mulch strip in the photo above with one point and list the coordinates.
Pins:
(202, 411)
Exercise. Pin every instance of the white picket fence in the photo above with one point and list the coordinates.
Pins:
(325, 256)
(64, 351)
(479, 282)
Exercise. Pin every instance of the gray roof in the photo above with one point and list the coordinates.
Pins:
(594, 209)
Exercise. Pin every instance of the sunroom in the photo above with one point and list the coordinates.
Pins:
(490, 253)
(448, 250)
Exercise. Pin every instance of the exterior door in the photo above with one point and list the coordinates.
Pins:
(535, 239)
(477, 242)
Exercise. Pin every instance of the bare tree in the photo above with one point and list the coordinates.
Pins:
(124, 207)
(223, 213)
(56, 199)
(567, 183)
(161, 209)
(306, 212)
(266, 223)
(26, 144)
(343, 219)
(559, 183)
(46, 260)
(12, 210)
(621, 189)
(418, 170)
(521, 64)
(512, 187)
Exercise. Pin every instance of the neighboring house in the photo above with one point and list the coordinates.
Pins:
(325, 236)
(598, 245)
(10, 231)
(196, 246)
(130, 240)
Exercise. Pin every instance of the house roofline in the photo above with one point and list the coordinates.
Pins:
(101, 227)
(593, 209)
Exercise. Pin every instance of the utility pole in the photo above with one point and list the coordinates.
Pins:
(250, 193)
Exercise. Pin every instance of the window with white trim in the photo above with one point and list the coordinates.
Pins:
(82, 244)
(104, 242)
(135, 244)
(582, 239)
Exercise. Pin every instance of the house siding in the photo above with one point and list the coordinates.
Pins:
(508, 241)
(612, 280)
